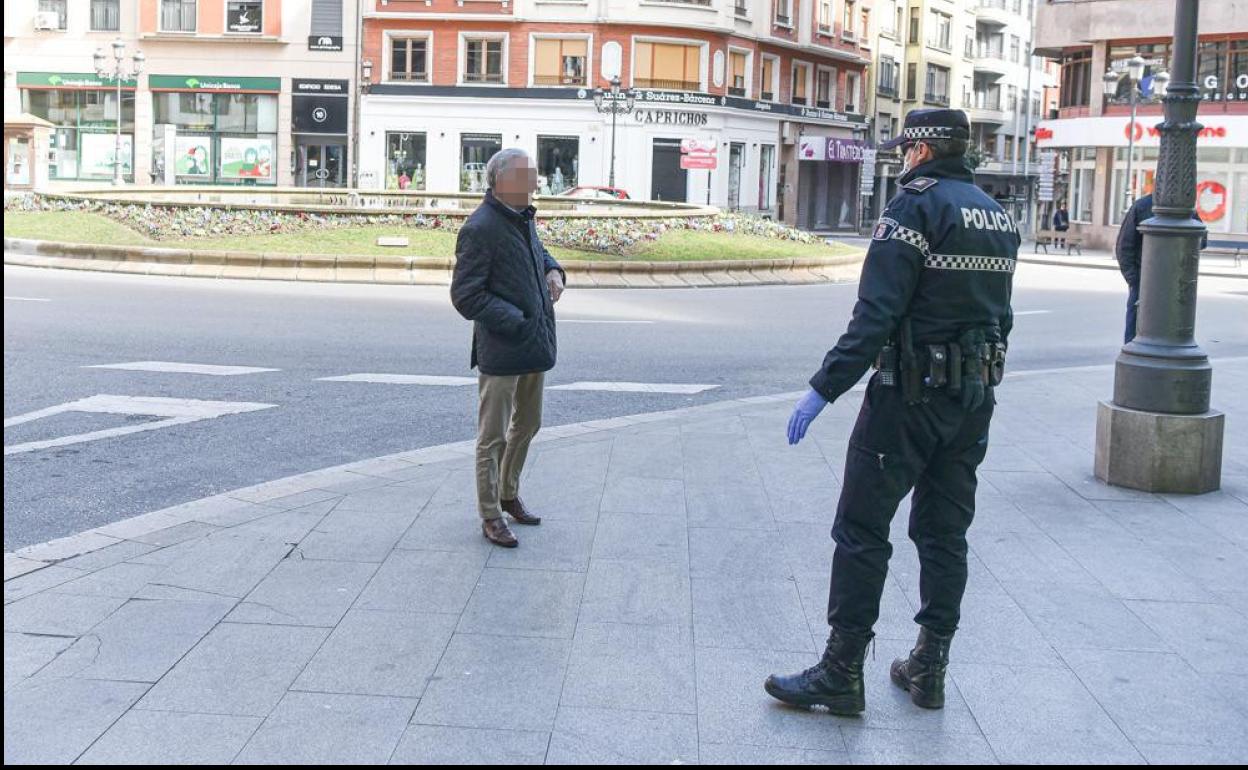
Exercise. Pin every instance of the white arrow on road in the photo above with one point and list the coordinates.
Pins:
(176, 411)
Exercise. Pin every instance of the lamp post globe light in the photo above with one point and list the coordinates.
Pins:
(117, 71)
(1158, 434)
(1135, 74)
(614, 107)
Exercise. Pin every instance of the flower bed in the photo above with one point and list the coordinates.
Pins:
(609, 236)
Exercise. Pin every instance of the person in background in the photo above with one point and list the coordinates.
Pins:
(1130, 250)
(1061, 221)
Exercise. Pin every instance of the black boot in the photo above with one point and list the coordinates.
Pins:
(835, 681)
(923, 673)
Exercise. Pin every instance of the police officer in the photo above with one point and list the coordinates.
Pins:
(933, 314)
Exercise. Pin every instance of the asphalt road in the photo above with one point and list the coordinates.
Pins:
(747, 341)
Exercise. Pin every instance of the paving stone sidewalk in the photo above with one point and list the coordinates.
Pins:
(355, 615)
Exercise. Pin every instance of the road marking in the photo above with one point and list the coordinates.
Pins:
(404, 379)
(180, 368)
(176, 411)
(1032, 312)
(26, 299)
(638, 387)
(589, 321)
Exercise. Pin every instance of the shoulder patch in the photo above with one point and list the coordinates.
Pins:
(920, 184)
(884, 229)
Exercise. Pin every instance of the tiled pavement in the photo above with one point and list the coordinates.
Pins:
(357, 616)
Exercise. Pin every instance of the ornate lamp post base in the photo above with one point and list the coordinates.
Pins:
(1157, 452)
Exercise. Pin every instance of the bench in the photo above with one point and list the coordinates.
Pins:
(1236, 248)
(1047, 238)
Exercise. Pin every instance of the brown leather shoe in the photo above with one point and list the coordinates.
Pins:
(516, 510)
(498, 533)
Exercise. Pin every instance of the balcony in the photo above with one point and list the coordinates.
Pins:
(938, 100)
(991, 60)
(559, 80)
(994, 13)
(667, 85)
(888, 92)
(986, 108)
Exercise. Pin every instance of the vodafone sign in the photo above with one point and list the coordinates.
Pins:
(1219, 131)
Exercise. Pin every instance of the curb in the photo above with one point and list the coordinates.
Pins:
(416, 271)
(225, 509)
(1212, 272)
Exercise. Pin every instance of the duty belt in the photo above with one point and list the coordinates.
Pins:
(941, 366)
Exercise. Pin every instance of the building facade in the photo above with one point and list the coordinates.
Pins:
(773, 89)
(232, 91)
(968, 54)
(1091, 133)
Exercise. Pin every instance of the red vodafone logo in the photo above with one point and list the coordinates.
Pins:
(1134, 128)
(1211, 200)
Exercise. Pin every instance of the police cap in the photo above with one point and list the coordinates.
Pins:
(931, 124)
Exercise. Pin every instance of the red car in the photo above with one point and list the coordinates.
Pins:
(588, 191)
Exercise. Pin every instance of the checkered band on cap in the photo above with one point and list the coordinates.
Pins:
(912, 237)
(929, 132)
(970, 262)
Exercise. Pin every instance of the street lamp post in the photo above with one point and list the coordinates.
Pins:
(614, 107)
(116, 69)
(1159, 434)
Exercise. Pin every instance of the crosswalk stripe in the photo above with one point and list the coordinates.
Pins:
(174, 367)
(404, 379)
(638, 387)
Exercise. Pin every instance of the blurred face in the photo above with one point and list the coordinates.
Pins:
(517, 183)
(917, 154)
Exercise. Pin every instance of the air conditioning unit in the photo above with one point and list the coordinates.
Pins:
(45, 20)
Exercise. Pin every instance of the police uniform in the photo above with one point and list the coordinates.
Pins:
(938, 272)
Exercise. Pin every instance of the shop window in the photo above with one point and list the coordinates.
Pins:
(560, 62)
(221, 138)
(177, 16)
(558, 158)
(670, 66)
(105, 15)
(475, 150)
(57, 7)
(738, 68)
(83, 143)
(405, 160)
(801, 84)
(1082, 180)
(245, 17)
(409, 59)
(483, 60)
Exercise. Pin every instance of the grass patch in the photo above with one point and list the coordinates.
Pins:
(672, 246)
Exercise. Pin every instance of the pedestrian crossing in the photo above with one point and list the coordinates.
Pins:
(404, 379)
(174, 367)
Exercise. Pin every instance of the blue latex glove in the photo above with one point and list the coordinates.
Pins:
(804, 414)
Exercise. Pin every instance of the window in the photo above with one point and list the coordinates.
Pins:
(560, 62)
(885, 123)
(766, 177)
(940, 33)
(801, 84)
(409, 59)
(825, 16)
(1015, 50)
(937, 87)
(483, 60)
(768, 87)
(672, 66)
(968, 44)
(177, 15)
(968, 94)
(853, 89)
(1082, 178)
(105, 15)
(847, 20)
(1211, 70)
(1076, 90)
(914, 26)
(405, 160)
(1011, 100)
(886, 77)
(557, 163)
(222, 138)
(912, 81)
(326, 18)
(738, 68)
(823, 88)
(82, 144)
(866, 24)
(475, 150)
(1157, 56)
(55, 6)
(244, 17)
(784, 12)
(992, 46)
(742, 8)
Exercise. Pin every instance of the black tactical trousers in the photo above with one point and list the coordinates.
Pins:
(933, 448)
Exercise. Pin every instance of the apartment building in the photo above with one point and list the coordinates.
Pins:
(1091, 131)
(776, 87)
(231, 92)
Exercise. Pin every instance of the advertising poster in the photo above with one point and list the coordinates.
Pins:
(193, 156)
(249, 157)
(97, 151)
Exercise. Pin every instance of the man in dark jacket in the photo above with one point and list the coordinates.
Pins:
(1130, 250)
(1061, 221)
(506, 283)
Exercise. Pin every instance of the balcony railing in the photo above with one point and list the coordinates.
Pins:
(734, 91)
(782, 18)
(987, 102)
(741, 8)
(559, 80)
(940, 99)
(668, 85)
(768, 96)
(991, 52)
(411, 77)
(483, 77)
(889, 92)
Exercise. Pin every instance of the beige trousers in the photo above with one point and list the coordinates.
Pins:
(508, 417)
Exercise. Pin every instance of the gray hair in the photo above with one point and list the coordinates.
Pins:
(500, 162)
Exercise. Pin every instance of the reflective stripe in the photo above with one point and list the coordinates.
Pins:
(912, 237)
(970, 262)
